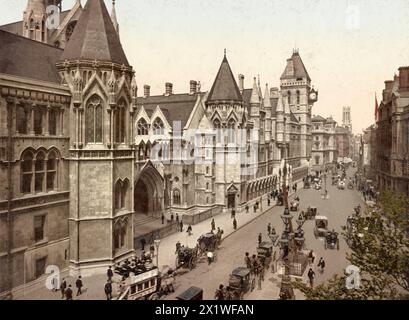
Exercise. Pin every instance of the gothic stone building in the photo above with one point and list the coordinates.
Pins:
(83, 157)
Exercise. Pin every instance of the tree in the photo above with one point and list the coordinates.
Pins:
(379, 245)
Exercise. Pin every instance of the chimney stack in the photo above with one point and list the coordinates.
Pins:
(193, 86)
(168, 89)
(404, 78)
(274, 92)
(241, 82)
(146, 91)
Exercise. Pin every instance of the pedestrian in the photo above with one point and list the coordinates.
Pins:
(255, 208)
(172, 218)
(268, 201)
(152, 250)
(178, 246)
(247, 261)
(108, 289)
(110, 274)
(219, 293)
(321, 264)
(189, 230)
(54, 283)
(79, 285)
(311, 257)
(68, 293)
(269, 229)
(63, 287)
(247, 209)
(163, 218)
(210, 257)
(260, 238)
(213, 225)
(311, 276)
(234, 224)
(233, 213)
(177, 218)
(143, 243)
(181, 225)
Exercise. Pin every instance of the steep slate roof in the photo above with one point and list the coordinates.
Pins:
(225, 86)
(293, 118)
(299, 69)
(175, 107)
(20, 56)
(94, 36)
(318, 118)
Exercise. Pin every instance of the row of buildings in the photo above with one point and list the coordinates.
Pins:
(385, 144)
(84, 154)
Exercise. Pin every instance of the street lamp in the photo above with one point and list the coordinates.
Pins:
(286, 216)
(157, 243)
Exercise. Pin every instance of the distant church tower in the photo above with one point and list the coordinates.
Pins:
(300, 96)
(34, 21)
(346, 118)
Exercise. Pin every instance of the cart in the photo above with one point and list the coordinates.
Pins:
(208, 242)
(311, 213)
(186, 258)
(191, 294)
(264, 253)
(331, 240)
(294, 205)
(321, 227)
(144, 286)
(240, 282)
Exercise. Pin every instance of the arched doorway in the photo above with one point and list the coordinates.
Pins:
(149, 191)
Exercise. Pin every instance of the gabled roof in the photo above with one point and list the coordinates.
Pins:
(20, 56)
(295, 68)
(318, 119)
(94, 37)
(224, 86)
(293, 118)
(175, 107)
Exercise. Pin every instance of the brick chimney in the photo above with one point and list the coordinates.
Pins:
(404, 78)
(241, 82)
(193, 87)
(146, 91)
(274, 92)
(168, 89)
(388, 89)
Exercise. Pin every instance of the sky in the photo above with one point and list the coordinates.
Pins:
(349, 47)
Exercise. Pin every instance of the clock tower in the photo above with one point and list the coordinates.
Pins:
(301, 96)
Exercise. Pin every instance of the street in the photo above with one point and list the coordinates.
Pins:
(231, 254)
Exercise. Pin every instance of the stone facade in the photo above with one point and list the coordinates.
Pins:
(82, 156)
(324, 150)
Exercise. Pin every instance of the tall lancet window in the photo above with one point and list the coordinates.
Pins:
(120, 123)
(93, 121)
(298, 97)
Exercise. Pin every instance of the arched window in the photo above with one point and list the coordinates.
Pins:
(176, 196)
(39, 172)
(93, 121)
(43, 31)
(21, 119)
(51, 171)
(118, 194)
(124, 193)
(158, 127)
(120, 123)
(117, 235)
(52, 122)
(124, 226)
(26, 168)
(207, 185)
(217, 126)
(32, 27)
(142, 127)
(298, 97)
(70, 30)
(141, 152)
(231, 130)
(289, 97)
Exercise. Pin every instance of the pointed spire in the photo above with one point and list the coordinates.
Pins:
(295, 68)
(280, 107)
(259, 88)
(267, 102)
(112, 80)
(225, 86)
(113, 18)
(255, 93)
(94, 37)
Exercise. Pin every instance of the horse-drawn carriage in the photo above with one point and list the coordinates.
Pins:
(240, 282)
(144, 285)
(265, 253)
(331, 240)
(294, 205)
(209, 242)
(186, 258)
(311, 213)
(321, 227)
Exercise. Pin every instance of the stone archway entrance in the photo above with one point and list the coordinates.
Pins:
(149, 192)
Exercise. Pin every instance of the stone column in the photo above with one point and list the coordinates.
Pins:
(47, 121)
(61, 114)
(31, 132)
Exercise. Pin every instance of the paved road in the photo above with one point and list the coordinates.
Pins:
(339, 205)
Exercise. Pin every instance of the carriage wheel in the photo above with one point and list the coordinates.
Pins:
(192, 263)
(154, 296)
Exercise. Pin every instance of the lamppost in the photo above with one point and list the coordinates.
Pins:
(157, 243)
